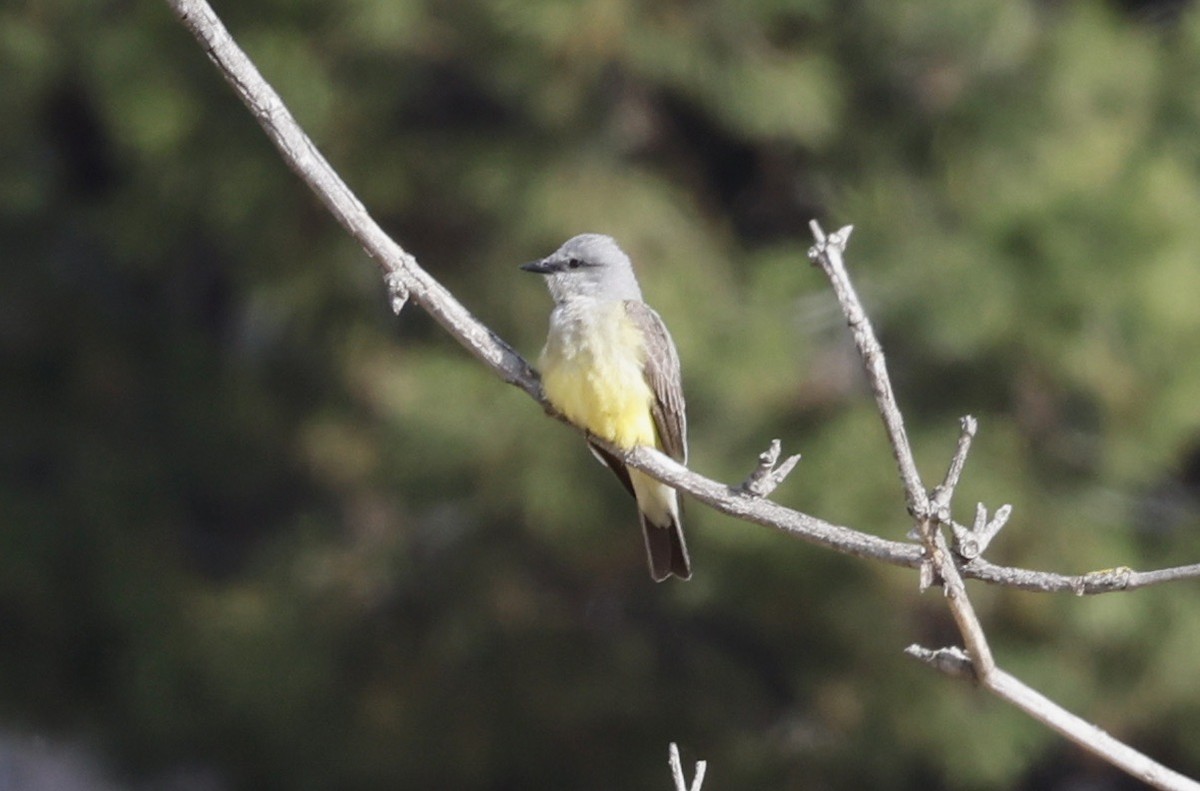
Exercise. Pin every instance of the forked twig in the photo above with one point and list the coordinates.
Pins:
(769, 473)
(681, 783)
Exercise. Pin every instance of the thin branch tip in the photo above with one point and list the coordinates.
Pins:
(999, 520)
(939, 501)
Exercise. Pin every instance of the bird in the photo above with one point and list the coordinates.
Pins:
(610, 367)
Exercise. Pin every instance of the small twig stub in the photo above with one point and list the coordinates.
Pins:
(397, 290)
(767, 476)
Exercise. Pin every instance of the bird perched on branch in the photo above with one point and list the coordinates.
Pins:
(610, 366)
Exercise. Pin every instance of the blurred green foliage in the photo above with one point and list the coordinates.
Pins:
(250, 521)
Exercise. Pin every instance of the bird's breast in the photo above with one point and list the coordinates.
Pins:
(592, 372)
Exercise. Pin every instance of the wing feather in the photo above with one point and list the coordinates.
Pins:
(663, 376)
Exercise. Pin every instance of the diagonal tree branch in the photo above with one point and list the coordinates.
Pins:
(955, 662)
(405, 278)
(827, 253)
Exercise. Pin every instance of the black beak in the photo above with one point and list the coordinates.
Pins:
(542, 267)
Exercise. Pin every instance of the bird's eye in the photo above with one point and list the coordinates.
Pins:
(574, 263)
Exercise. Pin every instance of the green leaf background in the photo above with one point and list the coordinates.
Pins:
(249, 521)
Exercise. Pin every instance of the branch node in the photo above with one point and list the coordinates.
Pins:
(1104, 580)
(926, 576)
(397, 289)
(972, 543)
(768, 475)
(953, 660)
(969, 549)
(838, 240)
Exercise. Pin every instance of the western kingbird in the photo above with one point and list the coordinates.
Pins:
(610, 367)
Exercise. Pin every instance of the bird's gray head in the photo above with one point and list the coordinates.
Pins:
(588, 265)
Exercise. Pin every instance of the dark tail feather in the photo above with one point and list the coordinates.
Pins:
(666, 550)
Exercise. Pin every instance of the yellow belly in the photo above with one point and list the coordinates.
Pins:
(592, 373)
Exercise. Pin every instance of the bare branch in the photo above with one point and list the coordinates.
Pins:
(938, 558)
(961, 608)
(403, 274)
(827, 253)
(747, 507)
(1121, 578)
(797, 524)
(1084, 734)
(681, 783)
(766, 477)
(943, 494)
